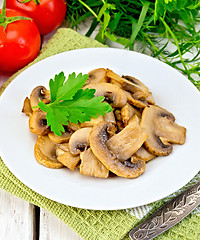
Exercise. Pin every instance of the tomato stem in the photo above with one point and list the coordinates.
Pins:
(3, 12)
(37, 2)
(4, 21)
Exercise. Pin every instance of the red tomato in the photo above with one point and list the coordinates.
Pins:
(48, 15)
(19, 43)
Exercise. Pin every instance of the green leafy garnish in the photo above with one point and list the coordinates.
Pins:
(70, 103)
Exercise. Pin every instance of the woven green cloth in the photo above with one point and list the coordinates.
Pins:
(90, 224)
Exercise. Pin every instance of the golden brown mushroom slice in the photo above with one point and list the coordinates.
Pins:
(98, 142)
(38, 123)
(134, 85)
(39, 92)
(111, 92)
(162, 130)
(27, 107)
(79, 140)
(97, 75)
(129, 83)
(150, 99)
(125, 143)
(142, 154)
(110, 117)
(63, 138)
(139, 103)
(45, 153)
(91, 166)
(65, 157)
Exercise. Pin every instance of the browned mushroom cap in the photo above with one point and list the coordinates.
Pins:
(27, 107)
(98, 142)
(97, 75)
(79, 140)
(45, 153)
(91, 166)
(65, 157)
(110, 92)
(142, 154)
(129, 83)
(38, 123)
(39, 92)
(162, 130)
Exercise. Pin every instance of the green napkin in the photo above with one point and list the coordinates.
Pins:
(90, 224)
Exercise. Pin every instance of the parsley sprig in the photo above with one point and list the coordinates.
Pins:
(71, 103)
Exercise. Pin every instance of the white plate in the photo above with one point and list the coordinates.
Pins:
(163, 175)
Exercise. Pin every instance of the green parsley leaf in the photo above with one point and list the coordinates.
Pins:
(70, 103)
(70, 87)
(55, 84)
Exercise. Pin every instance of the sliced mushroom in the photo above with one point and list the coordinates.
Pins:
(139, 103)
(110, 92)
(162, 130)
(27, 107)
(60, 139)
(150, 99)
(97, 75)
(113, 81)
(38, 123)
(129, 83)
(79, 140)
(142, 154)
(39, 92)
(134, 85)
(45, 153)
(92, 122)
(110, 117)
(98, 142)
(66, 158)
(73, 126)
(127, 112)
(125, 143)
(91, 166)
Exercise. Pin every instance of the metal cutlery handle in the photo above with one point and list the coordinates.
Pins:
(168, 215)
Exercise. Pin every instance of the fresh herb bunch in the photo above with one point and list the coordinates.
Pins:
(70, 103)
(153, 24)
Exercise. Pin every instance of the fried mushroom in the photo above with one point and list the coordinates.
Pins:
(39, 92)
(38, 123)
(162, 130)
(66, 158)
(142, 154)
(91, 166)
(125, 143)
(129, 83)
(63, 138)
(45, 153)
(79, 140)
(127, 112)
(99, 138)
(27, 107)
(111, 93)
(97, 75)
